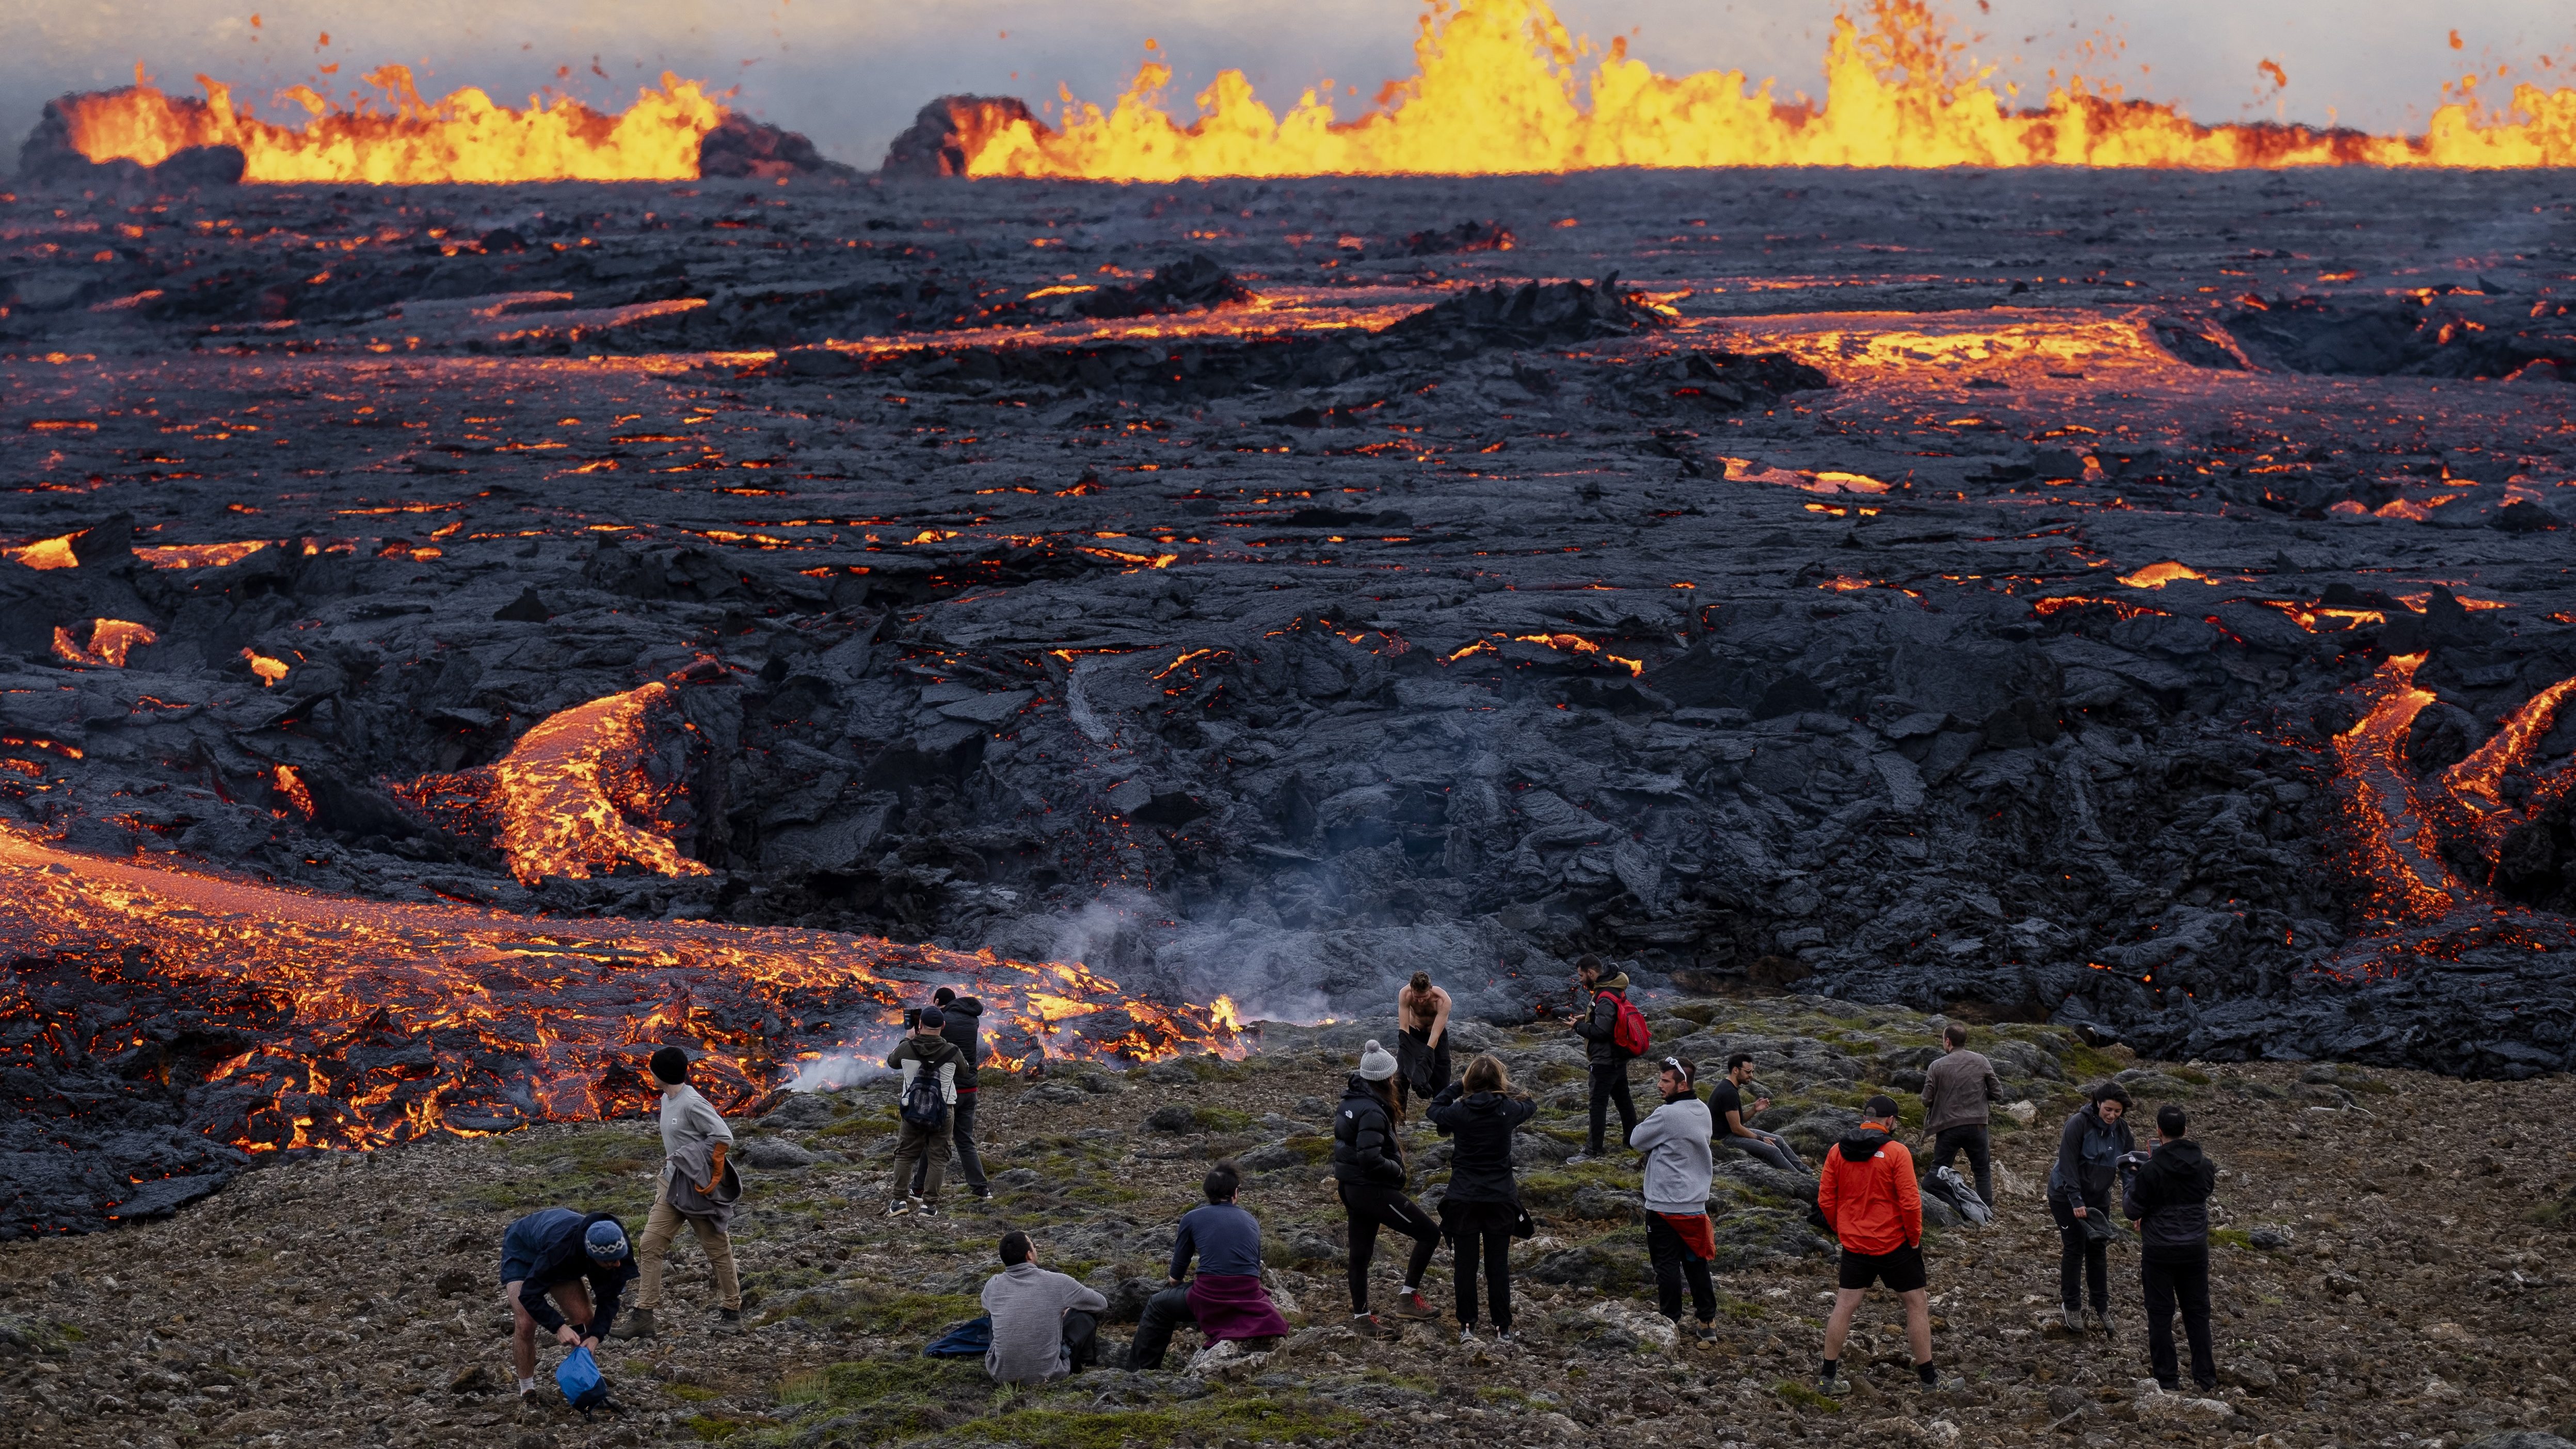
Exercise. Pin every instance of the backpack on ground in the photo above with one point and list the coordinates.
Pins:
(924, 1105)
(1630, 1033)
(579, 1378)
(1953, 1189)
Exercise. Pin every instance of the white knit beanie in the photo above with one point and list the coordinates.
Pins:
(1375, 1064)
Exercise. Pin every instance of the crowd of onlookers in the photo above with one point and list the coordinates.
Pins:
(563, 1271)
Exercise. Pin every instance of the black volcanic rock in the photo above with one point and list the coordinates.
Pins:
(948, 130)
(740, 146)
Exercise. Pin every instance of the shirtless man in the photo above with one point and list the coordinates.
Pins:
(1421, 1039)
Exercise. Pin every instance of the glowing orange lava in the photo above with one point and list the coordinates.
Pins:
(110, 640)
(49, 553)
(2157, 575)
(1500, 87)
(462, 136)
(575, 794)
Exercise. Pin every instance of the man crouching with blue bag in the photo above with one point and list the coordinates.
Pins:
(580, 1261)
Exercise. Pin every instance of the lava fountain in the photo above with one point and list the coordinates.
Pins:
(1500, 87)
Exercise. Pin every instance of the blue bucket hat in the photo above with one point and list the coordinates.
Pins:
(605, 1242)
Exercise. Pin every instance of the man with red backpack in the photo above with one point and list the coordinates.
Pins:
(1614, 1034)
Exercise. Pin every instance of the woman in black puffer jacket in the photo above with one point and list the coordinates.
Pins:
(1482, 1208)
(2080, 1186)
(1368, 1162)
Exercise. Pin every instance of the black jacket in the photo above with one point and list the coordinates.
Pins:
(964, 1025)
(1364, 1147)
(2088, 1150)
(1480, 1165)
(1599, 1027)
(2169, 1199)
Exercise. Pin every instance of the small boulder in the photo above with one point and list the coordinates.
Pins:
(774, 1153)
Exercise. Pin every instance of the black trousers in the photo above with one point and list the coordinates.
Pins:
(1609, 1085)
(1082, 1336)
(961, 1135)
(1413, 1049)
(1369, 1207)
(2186, 1284)
(2081, 1260)
(1482, 1230)
(1970, 1139)
(1164, 1312)
(1673, 1263)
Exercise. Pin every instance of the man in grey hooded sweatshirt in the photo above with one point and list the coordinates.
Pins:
(697, 1187)
(1045, 1325)
(1679, 1237)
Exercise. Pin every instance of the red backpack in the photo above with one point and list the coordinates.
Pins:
(1629, 1034)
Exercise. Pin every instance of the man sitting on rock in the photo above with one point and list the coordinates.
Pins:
(553, 1253)
(1726, 1108)
(1226, 1300)
(2169, 1200)
(1045, 1325)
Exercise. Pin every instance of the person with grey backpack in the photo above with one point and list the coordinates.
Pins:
(930, 1064)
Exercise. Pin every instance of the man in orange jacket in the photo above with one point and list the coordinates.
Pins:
(1866, 1191)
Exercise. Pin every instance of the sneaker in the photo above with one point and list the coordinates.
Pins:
(927, 1209)
(1411, 1304)
(728, 1315)
(1504, 1339)
(1467, 1334)
(2102, 1321)
(1938, 1383)
(902, 1207)
(638, 1323)
(1368, 1325)
(979, 1192)
(1705, 1333)
(1580, 1158)
(2073, 1319)
(1831, 1388)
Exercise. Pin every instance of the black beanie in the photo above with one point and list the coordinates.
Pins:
(670, 1065)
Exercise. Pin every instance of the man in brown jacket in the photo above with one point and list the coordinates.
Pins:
(1956, 1089)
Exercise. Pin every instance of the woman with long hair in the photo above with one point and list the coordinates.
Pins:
(1368, 1163)
(1482, 1209)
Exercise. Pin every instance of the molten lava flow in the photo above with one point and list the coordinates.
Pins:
(199, 555)
(110, 640)
(2157, 575)
(309, 1020)
(460, 137)
(575, 794)
(2398, 852)
(48, 553)
(1496, 90)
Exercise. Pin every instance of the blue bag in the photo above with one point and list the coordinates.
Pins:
(963, 1340)
(579, 1379)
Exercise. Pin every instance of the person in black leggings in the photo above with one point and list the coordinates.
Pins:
(1483, 1204)
(1368, 1162)
(2080, 1186)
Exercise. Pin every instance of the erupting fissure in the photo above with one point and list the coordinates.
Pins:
(462, 136)
(1502, 87)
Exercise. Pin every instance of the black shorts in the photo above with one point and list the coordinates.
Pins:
(1901, 1270)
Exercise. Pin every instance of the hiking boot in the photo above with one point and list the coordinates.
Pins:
(2073, 1320)
(1369, 1325)
(1939, 1382)
(1831, 1388)
(903, 1207)
(728, 1315)
(1705, 1333)
(1411, 1304)
(638, 1323)
(2102, 1320)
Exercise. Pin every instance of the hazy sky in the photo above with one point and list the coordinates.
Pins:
(850, 73)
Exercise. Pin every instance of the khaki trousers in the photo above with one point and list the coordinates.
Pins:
(654, 1252)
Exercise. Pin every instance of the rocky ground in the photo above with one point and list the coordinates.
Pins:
(2387, 1273)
